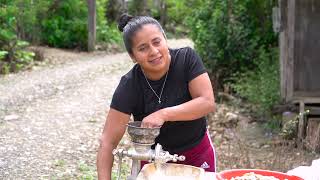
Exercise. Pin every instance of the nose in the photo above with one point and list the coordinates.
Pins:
(153, 50)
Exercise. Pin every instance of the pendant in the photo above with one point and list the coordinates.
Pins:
(159, 101)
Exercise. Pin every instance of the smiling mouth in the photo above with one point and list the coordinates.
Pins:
(156, 60)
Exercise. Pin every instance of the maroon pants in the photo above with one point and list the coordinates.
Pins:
(202, 155)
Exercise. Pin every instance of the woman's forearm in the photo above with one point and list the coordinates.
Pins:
(113, 131)
(194, 109)
(104, 162)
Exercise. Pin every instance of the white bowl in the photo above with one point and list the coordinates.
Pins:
(170, 171)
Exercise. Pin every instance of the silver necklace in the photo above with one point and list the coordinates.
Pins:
(159, 97)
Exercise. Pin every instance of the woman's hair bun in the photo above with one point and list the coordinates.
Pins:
(123, 21)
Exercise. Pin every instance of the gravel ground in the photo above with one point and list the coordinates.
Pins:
(51, 117)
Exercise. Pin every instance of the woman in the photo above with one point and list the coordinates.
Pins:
(166, 87)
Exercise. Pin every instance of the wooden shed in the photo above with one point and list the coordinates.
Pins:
(300, 61)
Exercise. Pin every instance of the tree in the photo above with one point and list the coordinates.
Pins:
(114, 9)
(91, 24)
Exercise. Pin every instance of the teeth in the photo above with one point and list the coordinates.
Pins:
(156, 59)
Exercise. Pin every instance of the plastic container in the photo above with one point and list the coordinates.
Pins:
(228, 174)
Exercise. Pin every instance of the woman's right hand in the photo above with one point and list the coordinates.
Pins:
(156, 119)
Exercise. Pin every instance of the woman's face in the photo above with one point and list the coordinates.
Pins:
(150, 49)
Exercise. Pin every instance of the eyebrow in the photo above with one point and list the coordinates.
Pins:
(144, 44)
(157, 38)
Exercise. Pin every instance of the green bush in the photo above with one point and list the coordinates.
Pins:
(174, 15)
(106, 31)
(238, 46)
(229, 34)
(108, 34)
(66, 25)
(13, 57)
(261, 87)
(28, 16)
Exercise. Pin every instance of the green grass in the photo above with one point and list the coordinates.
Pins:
(87, 172)
(59, 163)
(125, 171)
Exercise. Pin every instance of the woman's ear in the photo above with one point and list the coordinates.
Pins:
(133, 58)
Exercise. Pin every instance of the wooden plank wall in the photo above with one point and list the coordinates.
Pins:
(306, 71)
(300, 65)
(300, 49)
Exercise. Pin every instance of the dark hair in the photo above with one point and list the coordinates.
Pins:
(129, 25)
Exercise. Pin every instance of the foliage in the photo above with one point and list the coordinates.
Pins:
(66, 24)
(114, 9)
(87, 172)
(139, 7)
(238, 46)
(13, 57)
(170, 13)
(28, 15)
(261, 86)
(290, 127)
(29, 18)
(106, 32)
(125, 171)
(177, 11)
(229, 34)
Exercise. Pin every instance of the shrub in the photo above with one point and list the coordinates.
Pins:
(66, 25)
(13, 57)
(229, 34)
(261, 86)
(106, 31)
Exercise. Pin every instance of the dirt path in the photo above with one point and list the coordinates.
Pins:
(51, 117)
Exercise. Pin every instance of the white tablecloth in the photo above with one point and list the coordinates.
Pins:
(307, 172)
(210, 176)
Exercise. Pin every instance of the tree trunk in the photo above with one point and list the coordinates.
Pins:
(91, 24)
(163, 13)
(145, 6)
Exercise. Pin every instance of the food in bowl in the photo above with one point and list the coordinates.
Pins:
(253, 176)
(239, 174)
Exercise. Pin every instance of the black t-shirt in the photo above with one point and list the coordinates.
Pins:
(134, 96)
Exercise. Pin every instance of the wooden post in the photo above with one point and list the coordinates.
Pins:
(163, 13)
(302, 124)
(313, 134)
(283, 45)
(91, 24)
(291, 44)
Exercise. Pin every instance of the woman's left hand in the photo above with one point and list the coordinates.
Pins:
(153, 120)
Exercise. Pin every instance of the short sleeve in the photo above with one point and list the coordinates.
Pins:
(193, 64)
(123, 99)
